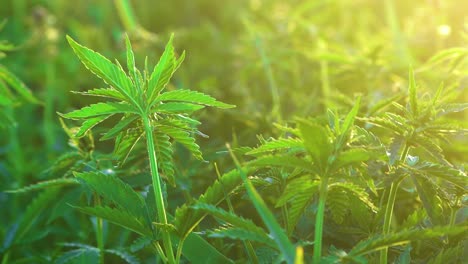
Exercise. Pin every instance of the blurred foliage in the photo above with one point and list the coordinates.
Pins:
(276, 60)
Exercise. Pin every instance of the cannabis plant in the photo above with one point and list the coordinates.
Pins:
(147, 112)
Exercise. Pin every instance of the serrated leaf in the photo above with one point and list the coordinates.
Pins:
(299, 192)
(121, 125)
(351, 156)
(18, 86)
(283, 161)
(104, 92)
(316, 142)
(45, 184)
(241, 234)
(104, 69)
(118, 217)
(183, 138)
(89, 124)
(177, 108)
(446, 173)
(229, 217)
(33, 210)
(276, 145)
(394, 149)
(140, 243)
(131, 60)
(129, 258)
(193, 97)
(115, 190)
(162, 72)
(379, 242)
(61, 164)
(186, 218)
(125, 143)
(100, 109)
(412, 94)
(349, 120)
(78, 256)
(164, 152)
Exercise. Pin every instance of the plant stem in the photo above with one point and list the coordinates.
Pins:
(402, 51)
(126, 15)
(319, 220)
(324, 78)
(390, 204)
(162, 218)
(275, 98)
(49, 112)
(99, 233)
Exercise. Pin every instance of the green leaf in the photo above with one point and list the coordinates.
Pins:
(100, 109)
(104, 69)
(283, 161)
(299, 193)
(79, 256)
(89, 124)
(349, 120)
(129, 258)
(394, 149)
(163, 72)
(104, 92)
(183, 138)
(316, 142)
(44, 185)
(18, 86)
(177, 108)
(186, 218)
(347, 124)
(412, 94)
(278, 234)
(196, 249)
(131, 61)
(277, 145)
(163, 148)
(192, 97)
(125, 143)
(121, 125)
(229, 217)
(115, 190)
(353, 190)
(241, 234)
(350, 157)
(118, 217)
(379, 242)
(33, 210)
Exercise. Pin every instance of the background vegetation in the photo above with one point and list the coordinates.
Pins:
(343, 109)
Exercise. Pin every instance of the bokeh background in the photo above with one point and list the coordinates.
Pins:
(274, 59)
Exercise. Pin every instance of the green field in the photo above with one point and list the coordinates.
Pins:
(234, 131)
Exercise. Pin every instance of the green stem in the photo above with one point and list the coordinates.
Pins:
(160, 251)
(248, 246)
(126, 14)
(319, 220)
(276, 109)
(390, 205)
(99, 233)
(49, 112)
(162, 218)
(402, 51)
(324, 78)
(6, 257)
(388, 218)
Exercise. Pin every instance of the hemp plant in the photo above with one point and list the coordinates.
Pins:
(147, 112)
